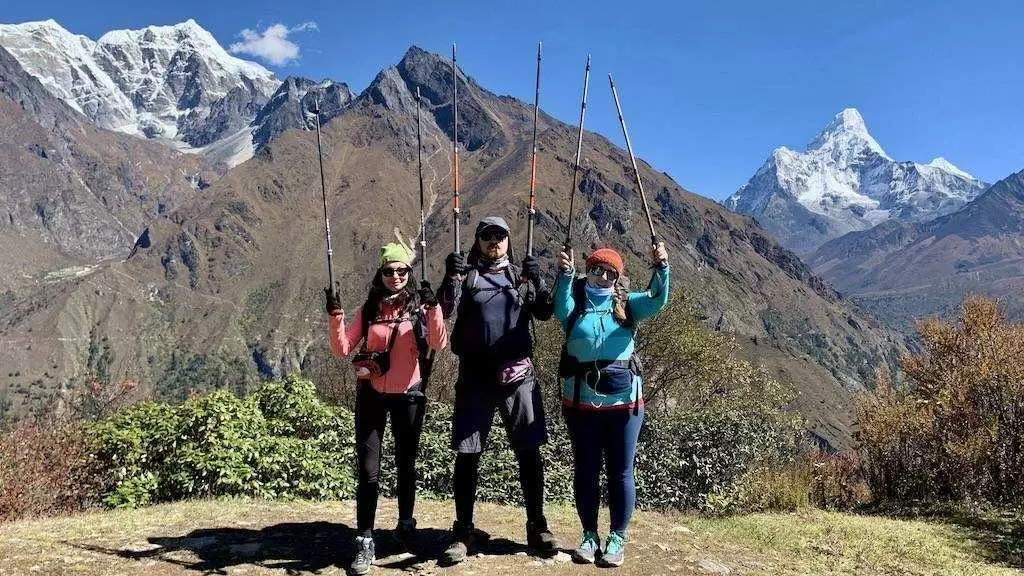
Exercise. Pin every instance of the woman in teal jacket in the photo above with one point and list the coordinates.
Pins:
(602, 390)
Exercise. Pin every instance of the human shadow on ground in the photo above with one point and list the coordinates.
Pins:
(294, 548)
(999, 536)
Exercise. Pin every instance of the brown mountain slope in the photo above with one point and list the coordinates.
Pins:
(900, 272)
(71, 196)
(236, 274)
(79, 193)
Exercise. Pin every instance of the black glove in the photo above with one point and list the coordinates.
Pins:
(531, 269)
(426, 294)
(454, 264)
(332, 294)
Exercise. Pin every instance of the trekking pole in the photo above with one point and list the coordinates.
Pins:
(579, 149)
(455, 150)
(323, 190)
(423, 220)
(533, 162)
(629, 148)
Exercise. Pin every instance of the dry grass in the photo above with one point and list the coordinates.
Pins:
(253, 537)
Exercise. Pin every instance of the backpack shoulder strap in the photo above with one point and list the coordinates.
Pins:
(469, 285)
(512, 273)
(419, 330)
(367, 320)
(469, 282)
(578, 303)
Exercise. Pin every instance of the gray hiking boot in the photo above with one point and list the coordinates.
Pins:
(461, 546)
(614, 551)
(364, 556)
(587, 550)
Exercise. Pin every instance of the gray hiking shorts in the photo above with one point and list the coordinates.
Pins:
(518, 403)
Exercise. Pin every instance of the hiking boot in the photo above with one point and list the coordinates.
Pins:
(590, 543)
(404, 532)
(540, 539)
(364, 556)
(614, 553)
(461, 545)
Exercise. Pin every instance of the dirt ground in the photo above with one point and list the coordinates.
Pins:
(238, 537)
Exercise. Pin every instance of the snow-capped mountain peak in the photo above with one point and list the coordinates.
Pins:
(846, 137)
(170, 82)
(947, 166)
(184, 36)
(844, 181)
(64, 64)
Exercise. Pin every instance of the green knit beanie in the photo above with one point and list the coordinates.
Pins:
(394, 252)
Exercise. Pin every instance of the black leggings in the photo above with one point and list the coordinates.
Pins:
(372, 409)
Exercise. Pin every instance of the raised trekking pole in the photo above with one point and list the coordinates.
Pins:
(423, 227)
(323, 190)
(579, 149)
(632, 159)
(423, 219)
(533, 162)
(455, 150)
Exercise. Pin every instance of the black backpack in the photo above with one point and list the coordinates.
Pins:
(511, 272)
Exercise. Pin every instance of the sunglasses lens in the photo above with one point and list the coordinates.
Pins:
(400, 272)
(599, 271)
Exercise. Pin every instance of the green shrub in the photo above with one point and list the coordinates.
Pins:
(682, 459)
(279, 442)
(686, 457)
(283, 442)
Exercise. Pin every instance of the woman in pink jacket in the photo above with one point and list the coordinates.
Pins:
(398, 327)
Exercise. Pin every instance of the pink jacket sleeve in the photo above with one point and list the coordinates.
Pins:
(437, 332)
(344, 340)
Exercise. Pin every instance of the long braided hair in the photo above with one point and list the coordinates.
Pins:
(620, 302)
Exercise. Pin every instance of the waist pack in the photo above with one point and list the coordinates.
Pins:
(604, 377)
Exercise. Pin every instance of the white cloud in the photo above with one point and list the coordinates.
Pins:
(272, 44)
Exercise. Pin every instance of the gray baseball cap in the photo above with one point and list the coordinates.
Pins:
(493, 222)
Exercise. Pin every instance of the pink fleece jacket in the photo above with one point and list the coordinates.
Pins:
(405, 370)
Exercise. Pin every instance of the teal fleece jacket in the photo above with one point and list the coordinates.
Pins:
(597, 336)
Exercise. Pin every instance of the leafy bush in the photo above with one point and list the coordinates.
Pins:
(279, 442)
(954, 432)
(283, 442)
(786, 487)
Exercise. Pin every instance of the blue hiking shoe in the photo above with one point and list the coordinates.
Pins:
(614, 552)
(586, 552)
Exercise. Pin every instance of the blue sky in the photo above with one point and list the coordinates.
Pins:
(708, 89)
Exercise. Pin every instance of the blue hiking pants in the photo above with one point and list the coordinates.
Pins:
(611, 434)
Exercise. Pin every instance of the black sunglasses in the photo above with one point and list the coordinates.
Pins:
(400, 272)
(602, 271)
(496, 236)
